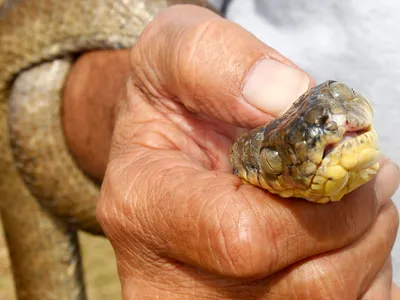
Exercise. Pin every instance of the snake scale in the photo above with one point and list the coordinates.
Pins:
(322, 148)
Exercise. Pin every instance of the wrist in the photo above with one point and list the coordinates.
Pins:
(90, 95)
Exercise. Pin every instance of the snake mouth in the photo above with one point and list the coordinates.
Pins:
(347, 136)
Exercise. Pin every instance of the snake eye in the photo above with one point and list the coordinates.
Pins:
(341, 91)
(318, 115)
(323, 118)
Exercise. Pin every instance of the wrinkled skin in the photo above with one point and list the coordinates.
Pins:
(182, 225)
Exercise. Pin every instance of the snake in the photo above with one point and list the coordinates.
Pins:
(321, 149)
(324, 147)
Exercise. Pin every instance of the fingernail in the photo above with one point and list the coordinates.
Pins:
(272, 86)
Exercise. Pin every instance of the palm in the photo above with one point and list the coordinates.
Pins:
(169, 127)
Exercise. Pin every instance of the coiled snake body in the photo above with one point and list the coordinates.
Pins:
(39, 40)
(44, 197)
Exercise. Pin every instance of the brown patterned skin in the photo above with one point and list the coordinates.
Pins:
(43, 244)
(290, 156)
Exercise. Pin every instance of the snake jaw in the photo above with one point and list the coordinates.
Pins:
(330, 147)
(348, 134)
(348, 164)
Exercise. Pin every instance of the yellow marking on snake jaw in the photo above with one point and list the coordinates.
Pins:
(333, 172)
(372, 170)
(244, 181)
(333, 158)
(363, 175)
(277, 184)
(252, 177)
(358, 178)
(319, 179)
(263, 183)
(242, 173)
(316, 156)
(287, 194)
(323, 200)
(317, 187)
(366, 156)
(332, 187)
(349, 161)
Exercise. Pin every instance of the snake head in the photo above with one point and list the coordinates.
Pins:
(322, 148)
(348, 139)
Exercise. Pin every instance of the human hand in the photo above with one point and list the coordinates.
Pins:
(184, 227)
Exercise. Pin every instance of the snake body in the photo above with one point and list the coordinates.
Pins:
(44, 197)
(321, 149)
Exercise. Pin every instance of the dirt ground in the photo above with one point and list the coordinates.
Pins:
(99, 267)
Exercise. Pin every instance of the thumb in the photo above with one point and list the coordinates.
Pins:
(213, 66)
